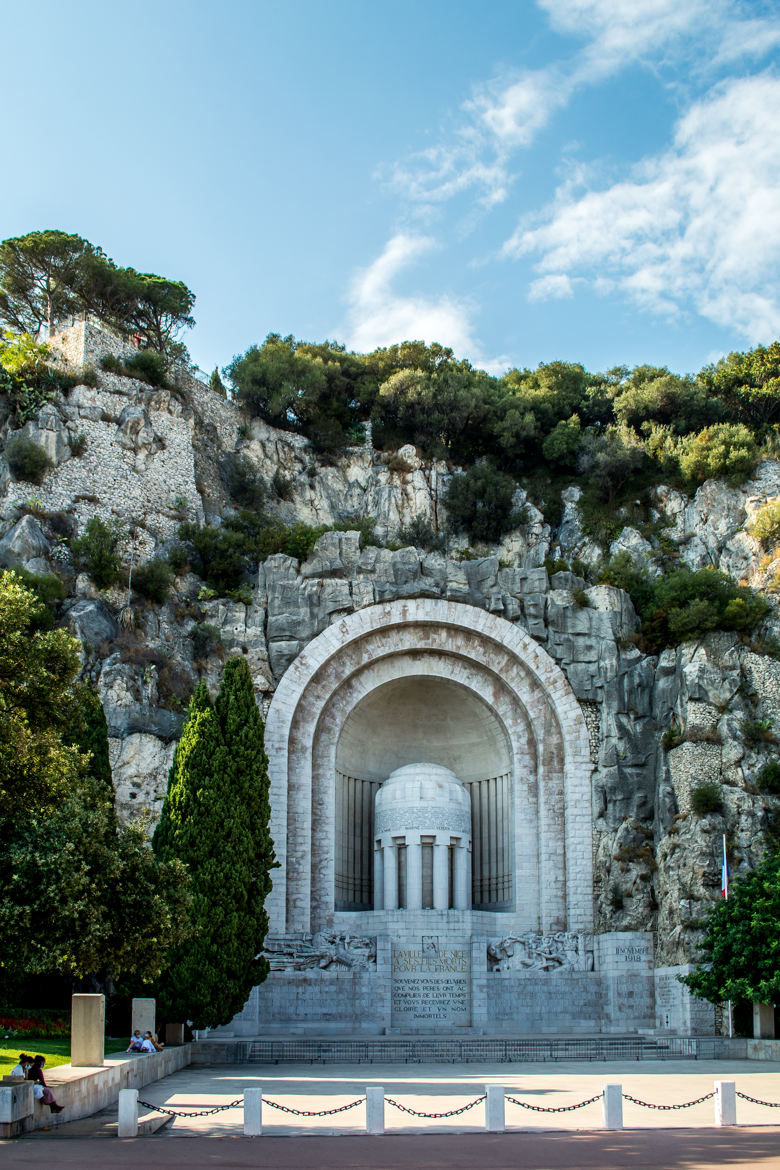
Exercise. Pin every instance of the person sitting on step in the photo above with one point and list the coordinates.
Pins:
(35, 1073)
(150, 1044)
(136, 1042)
(20, 1069)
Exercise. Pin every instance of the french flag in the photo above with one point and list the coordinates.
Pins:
(724, 873)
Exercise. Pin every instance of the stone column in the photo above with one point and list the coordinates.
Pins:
(763, 1021)
(390, 856)
(461, 899)
(143, 1015)
(413, 873)
(87, 1031)
(379, 878)
(441, 874)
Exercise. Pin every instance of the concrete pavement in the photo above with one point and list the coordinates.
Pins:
(438, 1088)
(653, 1149)
(685, 1139)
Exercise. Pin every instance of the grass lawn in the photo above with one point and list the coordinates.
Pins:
(55, 1051)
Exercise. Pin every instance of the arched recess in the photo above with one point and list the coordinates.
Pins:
(465, 646)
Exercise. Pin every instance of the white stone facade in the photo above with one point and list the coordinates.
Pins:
(504, 784)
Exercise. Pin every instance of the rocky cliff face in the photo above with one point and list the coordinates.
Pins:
(152, 459)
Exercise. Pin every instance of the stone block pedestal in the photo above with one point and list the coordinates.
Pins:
(87, 1031)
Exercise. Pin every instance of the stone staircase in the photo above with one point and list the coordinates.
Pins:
(448, 1050)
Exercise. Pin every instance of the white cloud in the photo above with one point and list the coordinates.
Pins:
(697, 224)
(507, 113)
(555, 287)
(379, 315)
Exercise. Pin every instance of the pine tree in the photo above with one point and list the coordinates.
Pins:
(215, 819)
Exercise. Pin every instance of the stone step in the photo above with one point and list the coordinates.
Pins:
(444, 1050)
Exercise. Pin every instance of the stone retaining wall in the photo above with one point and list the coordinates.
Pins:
(84, 1091)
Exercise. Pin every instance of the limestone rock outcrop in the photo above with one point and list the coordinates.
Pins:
(661, 728)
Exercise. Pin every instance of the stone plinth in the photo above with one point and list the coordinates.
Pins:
(87, 1029)
(16, 1108)
(676, 1010)
(624, 960)
(763, 1021)
(143, 1016)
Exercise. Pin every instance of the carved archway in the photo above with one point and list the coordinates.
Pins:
(503, 668)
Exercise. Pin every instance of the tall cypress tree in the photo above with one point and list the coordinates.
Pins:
(215, 819)
(91, 734)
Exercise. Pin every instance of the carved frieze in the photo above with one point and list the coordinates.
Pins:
(561, 951)
(320, 951)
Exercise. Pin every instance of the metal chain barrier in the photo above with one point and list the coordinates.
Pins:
(436, 1116)
(755, 1101)
(554, 1108)
(313, 1112)
(684, 1105)
(239, 1101)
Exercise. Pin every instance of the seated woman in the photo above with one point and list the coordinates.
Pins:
(136, 1042)
(151, 1044)
(35, 1073)
(20, 1069)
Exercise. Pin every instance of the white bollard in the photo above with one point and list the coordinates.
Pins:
(128, 1113)
(253, 1112)
(725, 1103)
(495, 1119)
(612, 1106)
(375, 1109)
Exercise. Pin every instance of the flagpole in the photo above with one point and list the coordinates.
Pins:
(724, 893)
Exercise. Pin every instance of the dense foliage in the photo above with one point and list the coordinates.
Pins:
(78, 894)
(215, 820)
(26, 459)
(153, 579)
(740, 954)
(615, 429)
(49, 275)
(683, 604)
(96, 550)
(28, 380)
(480, 502)
(225, 556)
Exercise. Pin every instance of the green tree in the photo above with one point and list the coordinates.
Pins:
(725, 450)
(216, 384)
(45, 276)
(39, 275)
(608, 462)
(765, 525)
(682, 605)
(89, 733)
(480, 502)
(215, 820)
(96, 550)
(158, 310)
(36, 705)
(563, 442)
(78, 894)
(740, 953)
(652, 395)
(445, 412)
(320, 391)
(748, 384)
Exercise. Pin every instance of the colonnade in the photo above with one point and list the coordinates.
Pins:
(451, 878)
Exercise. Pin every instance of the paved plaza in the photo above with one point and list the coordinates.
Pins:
(685, 1138)
(440, 1088)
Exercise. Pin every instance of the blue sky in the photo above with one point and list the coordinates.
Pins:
(592, 180)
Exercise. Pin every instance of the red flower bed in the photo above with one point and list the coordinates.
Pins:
(35, 1026)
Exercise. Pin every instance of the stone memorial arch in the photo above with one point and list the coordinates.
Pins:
(431, 814)
(427, 682)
